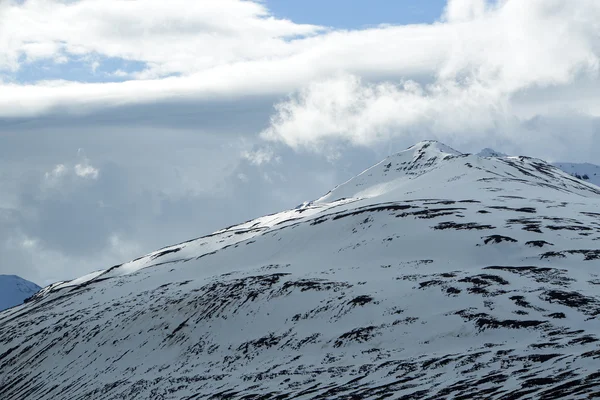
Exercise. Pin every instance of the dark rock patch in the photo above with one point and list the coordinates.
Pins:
(521, 302)
(589, 255)
(584, 304)
(165, 252)
(359, 335)
(528, 224)
(360, 300)
(568, 227)
(551, 254)
(485, 280)
(431, 213)
(529, 210)
(489, 322)
(498, 239)
(314, 284)
(452, 291)
(370, 209)
(462, 226)
(552, 276)
(538, 243)
(426, 284)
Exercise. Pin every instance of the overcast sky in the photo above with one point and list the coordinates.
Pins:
(129, 125)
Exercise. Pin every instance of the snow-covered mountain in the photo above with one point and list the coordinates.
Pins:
(584, 171)
(431, 275)
(13, 290)
(487, 152)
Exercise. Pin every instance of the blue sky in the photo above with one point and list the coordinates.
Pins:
(355, 14)
(81, 70)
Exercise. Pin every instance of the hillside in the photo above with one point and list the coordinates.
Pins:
(431, 275)
(587, 172)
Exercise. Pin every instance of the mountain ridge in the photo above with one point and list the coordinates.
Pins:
(587, 172)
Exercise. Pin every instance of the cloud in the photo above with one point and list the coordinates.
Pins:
(232, 48)
(510, 63)
(56, 173)
(260, 155)
(188, 55)
(346, 108)
(86, 171)
(465, 10)
(174, 37)
(61, 172)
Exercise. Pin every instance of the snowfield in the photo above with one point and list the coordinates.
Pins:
(431, 275)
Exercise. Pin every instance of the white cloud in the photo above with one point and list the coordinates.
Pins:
(58, 171)
(508, 63)
(120, 73)
(260, 156)
(175, 36)
(86, 171)
(219, 49)
(62, 175)
(347, 109)
(465, 10)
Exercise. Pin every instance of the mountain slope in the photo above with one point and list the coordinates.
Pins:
(584, 171)
(13, 290)
(432, 274)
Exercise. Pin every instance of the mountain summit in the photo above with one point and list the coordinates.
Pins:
(431, 275)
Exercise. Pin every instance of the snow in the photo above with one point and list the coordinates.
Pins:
(433, 274)
(584, 171)
(381, 178)
(13, 290)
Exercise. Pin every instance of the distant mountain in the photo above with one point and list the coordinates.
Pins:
(584, 171)
(431, 275)
(13, 290)
(487, 152)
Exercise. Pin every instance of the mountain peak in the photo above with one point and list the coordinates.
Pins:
(487, 152)
(394, 171)
(432, 146)
(429, 167)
